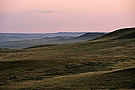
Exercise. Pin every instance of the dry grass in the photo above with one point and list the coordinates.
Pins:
(60, 66)
(122, 78)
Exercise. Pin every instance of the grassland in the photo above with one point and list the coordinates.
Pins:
(104, 63)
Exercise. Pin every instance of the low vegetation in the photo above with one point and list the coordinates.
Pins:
(104, 63)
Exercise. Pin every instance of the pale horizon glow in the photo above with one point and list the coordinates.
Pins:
(47, 16)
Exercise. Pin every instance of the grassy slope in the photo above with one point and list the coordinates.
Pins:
(122, 79)
(126, 33)
(44, 62)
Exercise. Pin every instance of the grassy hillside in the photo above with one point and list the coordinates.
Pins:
(126, 33)
(70, 66)
(110, 80)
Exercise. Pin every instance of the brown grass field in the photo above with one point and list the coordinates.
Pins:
(104, 63)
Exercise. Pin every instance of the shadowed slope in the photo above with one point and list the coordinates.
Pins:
(90, 36)
(116, 79)
(126, 33)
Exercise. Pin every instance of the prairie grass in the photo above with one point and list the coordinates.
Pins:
(69, 66)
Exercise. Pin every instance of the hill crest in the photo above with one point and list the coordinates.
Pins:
(125, 33)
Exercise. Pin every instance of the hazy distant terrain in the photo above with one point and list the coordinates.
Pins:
(107, 62)
(27, 40)
(6, 37)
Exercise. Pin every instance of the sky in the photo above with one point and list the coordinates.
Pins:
(47, 16)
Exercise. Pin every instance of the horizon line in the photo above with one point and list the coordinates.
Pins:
(53, 32)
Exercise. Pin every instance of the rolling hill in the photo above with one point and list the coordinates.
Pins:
(48, 40)
(125, 33)
(90, 36)
(104, 63)
(8, 37)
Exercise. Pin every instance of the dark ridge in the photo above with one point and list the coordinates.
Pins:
(125, 33)
(38, 46)
(90, 36)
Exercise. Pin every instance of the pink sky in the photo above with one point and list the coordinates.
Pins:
(43, 16)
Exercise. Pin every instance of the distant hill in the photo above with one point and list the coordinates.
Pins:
(59, 38)
(125, 33)
(15, 40)
(6, 37)
(90, 36)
